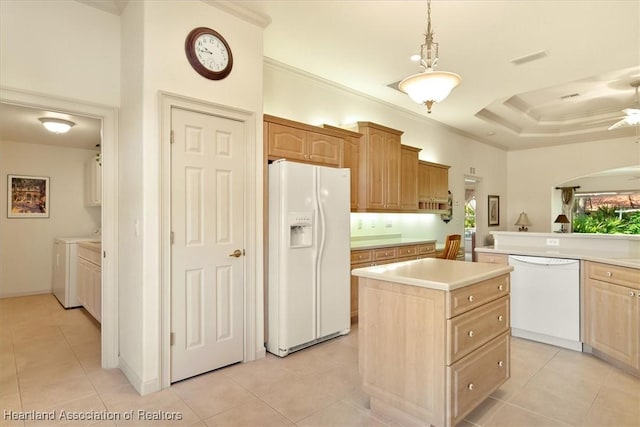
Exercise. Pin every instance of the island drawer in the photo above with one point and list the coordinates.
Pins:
(623, 276)
(361, 256)
(492, 258)
(474, 328)
(384, 253)
(407, 251)
(466, 298)
(475, 377)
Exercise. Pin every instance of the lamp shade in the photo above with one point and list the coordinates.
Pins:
(562, 219)
(56, 125)
(430, 86)
(523, 220)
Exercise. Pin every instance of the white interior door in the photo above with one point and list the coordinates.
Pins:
(207, 222)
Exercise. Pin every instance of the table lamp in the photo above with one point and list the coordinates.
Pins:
(562, 220)
(523, 222)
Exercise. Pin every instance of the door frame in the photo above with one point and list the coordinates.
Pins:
(252, 292)
(109, 207)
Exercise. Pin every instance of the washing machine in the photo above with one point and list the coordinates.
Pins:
(65, 269)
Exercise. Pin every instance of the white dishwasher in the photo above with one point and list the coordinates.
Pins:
(545, 300)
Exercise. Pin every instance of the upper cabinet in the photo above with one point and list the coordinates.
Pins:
(350, 159)
(299, 142)
(93, 183)
(433, 185)
(379, 168)
(409, 178)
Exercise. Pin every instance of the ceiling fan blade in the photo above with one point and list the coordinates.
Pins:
(620, 123)
(631, 111)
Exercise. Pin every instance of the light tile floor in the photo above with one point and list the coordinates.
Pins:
(50, 361)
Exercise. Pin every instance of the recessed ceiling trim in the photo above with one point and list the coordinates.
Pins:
(529, 58)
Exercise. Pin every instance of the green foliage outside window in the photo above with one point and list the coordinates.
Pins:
(606, 220)
(469, 216)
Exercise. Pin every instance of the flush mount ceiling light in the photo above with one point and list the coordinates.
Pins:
(56, 125)
(632, 117)
(429, 86)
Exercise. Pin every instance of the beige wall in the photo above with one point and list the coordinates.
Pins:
(26, 246)
(534, 174)
(61, 48)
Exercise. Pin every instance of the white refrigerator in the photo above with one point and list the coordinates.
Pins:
(309, 255)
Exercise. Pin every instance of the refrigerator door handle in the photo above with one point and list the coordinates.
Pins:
(320, 245)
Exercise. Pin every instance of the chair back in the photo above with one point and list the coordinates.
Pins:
(451, 246)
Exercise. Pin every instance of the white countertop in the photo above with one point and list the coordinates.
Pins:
(622, 259)
(433, 273)
(382, 243)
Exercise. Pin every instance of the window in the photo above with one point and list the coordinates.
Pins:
(607, 212)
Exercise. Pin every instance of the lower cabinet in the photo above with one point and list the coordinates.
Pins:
(90, 282)
(429, 357)
(387, 255)
(612, 313)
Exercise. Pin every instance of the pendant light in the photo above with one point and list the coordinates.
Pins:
(429, 86)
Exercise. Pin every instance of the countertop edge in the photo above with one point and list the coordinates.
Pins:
(387, 276)
(362, 245)
(621, 261)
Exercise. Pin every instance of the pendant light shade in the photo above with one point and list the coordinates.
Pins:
(429, 87)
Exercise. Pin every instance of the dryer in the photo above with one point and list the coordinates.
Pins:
(65, 269)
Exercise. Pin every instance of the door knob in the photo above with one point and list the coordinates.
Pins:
(236, 253)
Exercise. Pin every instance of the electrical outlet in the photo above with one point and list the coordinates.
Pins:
(553, 242)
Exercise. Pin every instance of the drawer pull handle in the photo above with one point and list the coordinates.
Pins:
(471, 386)
(500, 318)
(609, 274)
(631, 294)
(470, 298)
(501, 287)
(501, 363)
(470, 333)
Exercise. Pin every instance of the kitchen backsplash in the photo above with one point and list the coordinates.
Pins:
(404, 224)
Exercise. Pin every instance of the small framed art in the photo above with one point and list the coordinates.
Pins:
(494, 210)
(27, 196)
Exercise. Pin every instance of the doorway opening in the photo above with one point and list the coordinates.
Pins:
(107, 116)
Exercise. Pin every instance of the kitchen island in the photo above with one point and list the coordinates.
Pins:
(434, 337)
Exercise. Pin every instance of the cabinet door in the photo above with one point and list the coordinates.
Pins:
(393, 155)
(93, 183)
(423, 182)
(612, 315)
(82, 275)
(287, 142)
(376, 148)
(409, 179)
(350, 160)
(97, 292)
(323, 149)
(439, 183)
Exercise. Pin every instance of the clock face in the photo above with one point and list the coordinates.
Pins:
(211, 52)
(208, 53)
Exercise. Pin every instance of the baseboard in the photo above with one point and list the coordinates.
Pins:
(23, 294)
(141, 387)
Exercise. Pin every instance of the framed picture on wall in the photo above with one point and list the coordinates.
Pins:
(494, 210)
(27, 196)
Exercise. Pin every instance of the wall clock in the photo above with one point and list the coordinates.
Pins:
(208, 53)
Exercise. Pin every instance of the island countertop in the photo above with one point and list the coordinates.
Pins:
(434, 273)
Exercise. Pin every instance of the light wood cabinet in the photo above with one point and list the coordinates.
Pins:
(370, 257)
(409, 178)
(379, 168)
(433, 187)
(492, 258)
(89, 278)
(612, 313)
(408, 373)
(302, 145)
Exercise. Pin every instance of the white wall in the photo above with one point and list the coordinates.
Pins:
(534, 174)
(62, 48)
(157, 30)
(26, 246)
(299, 96)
